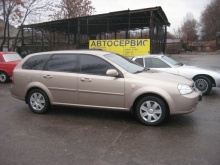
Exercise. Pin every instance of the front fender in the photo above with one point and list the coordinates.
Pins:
(151, 90)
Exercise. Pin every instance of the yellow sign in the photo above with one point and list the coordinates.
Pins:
(125, 47)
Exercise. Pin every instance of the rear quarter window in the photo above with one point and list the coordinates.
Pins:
(36, 62)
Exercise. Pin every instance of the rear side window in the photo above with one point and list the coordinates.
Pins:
(155, 63)
(36, 62)
(62, 63)
(93, 65)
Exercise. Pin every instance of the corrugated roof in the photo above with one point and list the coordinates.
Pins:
(109, 22)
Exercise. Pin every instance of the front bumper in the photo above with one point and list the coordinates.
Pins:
(183, 104)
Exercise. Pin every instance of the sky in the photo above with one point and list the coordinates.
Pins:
(175, 10)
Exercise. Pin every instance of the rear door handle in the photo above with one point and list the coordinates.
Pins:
(47, 76)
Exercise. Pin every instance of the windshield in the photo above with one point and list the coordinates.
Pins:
(171, 61)
(125, 63)
(11, 57)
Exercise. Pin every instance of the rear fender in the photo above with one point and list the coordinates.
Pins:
(37, 85)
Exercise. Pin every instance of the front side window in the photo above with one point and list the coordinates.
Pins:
(140, 61)
(93, 65)
(171, 61)
(62, 63)
(36, 62)
(155, 63)
(125, 63)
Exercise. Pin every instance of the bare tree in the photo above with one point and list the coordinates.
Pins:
(20, 11)
(170, 35)
(32, 8)
(189, 29)
(210, 20)
(72, 8)
(178, 33)
(10, 10)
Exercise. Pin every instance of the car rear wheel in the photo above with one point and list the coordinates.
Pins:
(38, 101)
(203, 84)
(151, 110)
(4, 77)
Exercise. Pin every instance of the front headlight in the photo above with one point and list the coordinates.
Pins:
(184, 89)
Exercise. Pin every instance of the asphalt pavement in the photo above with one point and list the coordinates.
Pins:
(73, 136)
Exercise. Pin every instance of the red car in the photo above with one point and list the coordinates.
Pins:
(8, 61)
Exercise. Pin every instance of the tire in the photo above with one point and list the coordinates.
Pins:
(151, 110)
(38, 101)
(203, 84)
(4, 77)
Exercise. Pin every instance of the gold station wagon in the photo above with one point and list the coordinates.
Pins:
(99, 79)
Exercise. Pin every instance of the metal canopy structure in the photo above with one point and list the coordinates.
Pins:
(71, 31)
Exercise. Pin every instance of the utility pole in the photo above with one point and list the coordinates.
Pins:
(5, 27)
(3, 2)
(8, 34)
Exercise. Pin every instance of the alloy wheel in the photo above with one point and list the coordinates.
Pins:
(150, 111)
(37, 101)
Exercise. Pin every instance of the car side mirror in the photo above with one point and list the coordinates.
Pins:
(112, 73)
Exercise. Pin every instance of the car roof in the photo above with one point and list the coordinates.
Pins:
(7, 52)
(82, 51)
(150, 56)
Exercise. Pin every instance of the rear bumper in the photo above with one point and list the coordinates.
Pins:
(200, 97)
(217, 82)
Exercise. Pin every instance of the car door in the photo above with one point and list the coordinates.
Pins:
(60, 77)
(97, 89)
(158, 64)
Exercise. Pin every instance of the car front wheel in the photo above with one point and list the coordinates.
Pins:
(3, 77)
(203, 84)
(151, 110)
(38, 101)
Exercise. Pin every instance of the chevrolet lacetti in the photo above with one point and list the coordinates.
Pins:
(99, 79)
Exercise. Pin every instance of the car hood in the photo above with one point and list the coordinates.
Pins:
(164, 76)
(199, 68)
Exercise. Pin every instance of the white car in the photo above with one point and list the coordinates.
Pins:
(204, 77)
